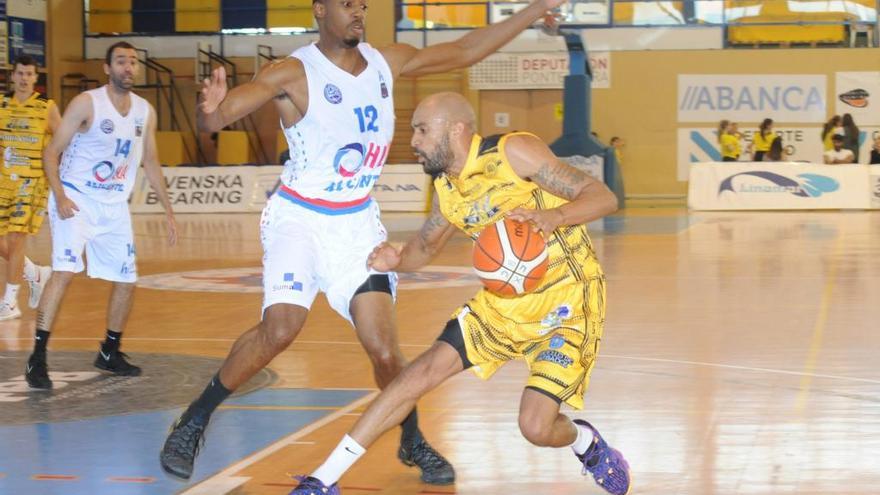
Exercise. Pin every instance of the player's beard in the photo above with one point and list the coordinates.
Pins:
(120, 83)
(437, 163)
(351, 42)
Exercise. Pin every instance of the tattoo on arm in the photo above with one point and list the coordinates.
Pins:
(429, 230)
(565, 182)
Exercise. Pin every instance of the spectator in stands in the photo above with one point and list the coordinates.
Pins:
(831, 128)
(838, 155)
(875, 151)
(776, 152)
(728, 138)
(762, 141)
(618, 144)
(851, 136)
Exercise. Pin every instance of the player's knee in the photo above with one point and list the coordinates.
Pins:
(277, 336)
(387, 362)
(535, 430)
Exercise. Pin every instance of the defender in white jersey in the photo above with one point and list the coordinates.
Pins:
(105, 134)
(335, 99)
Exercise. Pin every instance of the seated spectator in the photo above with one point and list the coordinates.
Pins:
(776, 153)
(838, 155)
(875, 151)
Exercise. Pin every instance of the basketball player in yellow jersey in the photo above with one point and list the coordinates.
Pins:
(556, 328)
(27, 118)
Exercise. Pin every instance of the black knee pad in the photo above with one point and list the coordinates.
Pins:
(376, 283)
(452, 335)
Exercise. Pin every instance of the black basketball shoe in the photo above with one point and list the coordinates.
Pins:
(436, 470)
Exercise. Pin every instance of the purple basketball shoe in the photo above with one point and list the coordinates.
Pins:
(314, 486)
(606, 464)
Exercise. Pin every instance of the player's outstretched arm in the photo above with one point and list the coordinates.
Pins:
(153, 170)
(418, 251)
(220, 106)
(77, 117)
(588, 198)
(406, 60)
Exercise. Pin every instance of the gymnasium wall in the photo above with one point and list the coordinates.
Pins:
(640, 105)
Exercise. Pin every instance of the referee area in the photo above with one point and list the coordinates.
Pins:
(739, 354)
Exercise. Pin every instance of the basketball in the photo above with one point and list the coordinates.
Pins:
(510, 258)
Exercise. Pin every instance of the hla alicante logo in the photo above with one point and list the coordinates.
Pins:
(808, 185)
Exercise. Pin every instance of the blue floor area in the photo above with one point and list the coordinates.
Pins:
(128, 446)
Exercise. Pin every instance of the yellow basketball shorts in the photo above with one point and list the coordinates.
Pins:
(559, 348)
(22, 203)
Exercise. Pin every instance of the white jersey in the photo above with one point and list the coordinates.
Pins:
(102, 162)
(339, 147)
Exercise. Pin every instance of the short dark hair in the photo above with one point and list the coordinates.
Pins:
(24, 60)
(119, 44)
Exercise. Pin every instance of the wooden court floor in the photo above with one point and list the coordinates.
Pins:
(740, 356)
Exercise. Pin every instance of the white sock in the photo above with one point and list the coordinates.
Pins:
(583, 441)
(30, 269)
(346, 453)
(11, 296)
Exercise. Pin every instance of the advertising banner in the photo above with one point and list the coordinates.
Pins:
(534, 71)
(858, 93)
(752, 97)
(778, 186)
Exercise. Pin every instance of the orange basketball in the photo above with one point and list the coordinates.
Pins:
(510, 258)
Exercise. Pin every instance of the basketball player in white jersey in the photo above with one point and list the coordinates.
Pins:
(335, 98)
(105, 134)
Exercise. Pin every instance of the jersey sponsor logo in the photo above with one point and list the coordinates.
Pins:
(333, 94)
(555, 357)
(107, 126)
(556, 317)
(557, 341)
(289, 284)
(481, 211)
(67, 257)
(105, 171)
(350, 159)
(138, 127)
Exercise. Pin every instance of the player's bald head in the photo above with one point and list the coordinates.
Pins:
(449, 108)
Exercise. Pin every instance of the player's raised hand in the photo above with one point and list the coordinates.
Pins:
(384, 258)
(66, 207)
(213, 90)
(172, 229)
(544, 221)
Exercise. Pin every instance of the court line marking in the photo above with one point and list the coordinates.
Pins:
(223, 481)
(743, 368)
(818, 328)
(601, 356)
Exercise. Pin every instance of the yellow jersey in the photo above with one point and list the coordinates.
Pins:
(730, 146)
(485, 190)
(557, 327)
(24, 132)
(763, 143)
